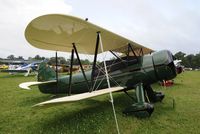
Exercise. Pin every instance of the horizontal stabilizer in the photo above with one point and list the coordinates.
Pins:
(26, 85)
(79, 97)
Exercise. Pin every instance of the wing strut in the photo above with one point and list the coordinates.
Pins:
(74, 49)
(56, 72)
(141, 51)
(108, 81)
(94, 62)
(71, 67)
(76, 52)
(129, 46)
(115, 55)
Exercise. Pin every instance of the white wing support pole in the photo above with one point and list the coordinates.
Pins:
(108, 81)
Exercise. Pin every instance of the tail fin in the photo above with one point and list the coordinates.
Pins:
(45, 73)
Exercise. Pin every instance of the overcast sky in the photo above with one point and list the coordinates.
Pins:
(157, 24)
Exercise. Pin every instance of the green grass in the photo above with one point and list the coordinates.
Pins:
(95, 115)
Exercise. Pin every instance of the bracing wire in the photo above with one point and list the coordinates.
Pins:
(101, 70)
(111, 78)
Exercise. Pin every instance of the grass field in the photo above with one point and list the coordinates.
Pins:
(95, 115)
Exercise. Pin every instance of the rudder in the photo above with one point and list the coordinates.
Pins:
(45, 73)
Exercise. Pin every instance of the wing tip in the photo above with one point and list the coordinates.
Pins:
(37, 105)
(24, 86)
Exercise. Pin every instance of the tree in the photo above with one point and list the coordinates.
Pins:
(30, 58)
(12, 57)
(20, 57)
(83, 62)
(61, 60)
(37, 57)
(52, 61)
(86, 62)
(196, 60)
(180, 55)
(191, 60)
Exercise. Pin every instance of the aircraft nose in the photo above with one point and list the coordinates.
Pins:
(164, 65)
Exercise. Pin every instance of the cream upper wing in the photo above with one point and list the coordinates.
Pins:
(57, 32)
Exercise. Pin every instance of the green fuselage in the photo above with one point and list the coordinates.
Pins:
(147, 69)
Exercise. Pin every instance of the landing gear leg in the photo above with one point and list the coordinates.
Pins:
(141, 108)
(152, 95)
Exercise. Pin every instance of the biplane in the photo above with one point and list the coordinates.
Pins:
(135, 67)
(25, 68)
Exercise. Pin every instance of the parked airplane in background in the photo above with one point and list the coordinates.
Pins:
(137, 67)
(25, 68)
(4, 66)
(179, 67)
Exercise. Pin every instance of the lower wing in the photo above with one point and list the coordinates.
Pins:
(79, 97)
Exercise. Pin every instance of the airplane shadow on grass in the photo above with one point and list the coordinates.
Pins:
(90, 113)
(96, 110)
(29, 101)
(85, 114)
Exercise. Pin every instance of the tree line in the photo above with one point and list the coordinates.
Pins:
(190, 61)
(51, 60)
